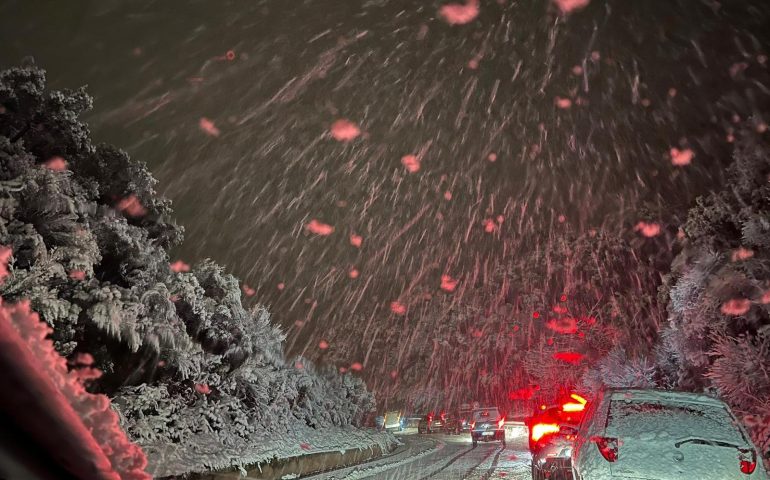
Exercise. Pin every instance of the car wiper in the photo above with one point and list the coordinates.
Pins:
(703, 441)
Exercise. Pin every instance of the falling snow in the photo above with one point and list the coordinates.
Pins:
(500, 193)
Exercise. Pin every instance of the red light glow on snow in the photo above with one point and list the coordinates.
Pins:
(208, 127)
(569, 6)
(736, 306)
(563, 103)
(202, 388)
(398, 308)
(458, 13)
(765, 299)
(5, 257)
(649, 230)
(741, 254)
(522, 393)
(570, 357)
(323, 344)
(344, 130)
(448, 284)
(57, 164)
(681, 158)
(356, 366)
(411, 163)
(131, 206)
(319, 228)
(77, 275)
(565, 326)
(356, 240)
(179, 266)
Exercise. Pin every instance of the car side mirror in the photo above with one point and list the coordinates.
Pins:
(566, 430)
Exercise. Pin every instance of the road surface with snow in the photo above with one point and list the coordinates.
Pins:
(444, 457)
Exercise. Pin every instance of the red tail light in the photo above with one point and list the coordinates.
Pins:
(501, 422)
(578, 406)
(573, 407)
(608, 447)
(539, 430)
(748, 460)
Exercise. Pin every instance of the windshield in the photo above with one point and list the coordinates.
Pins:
(490, 415)
(676, 420)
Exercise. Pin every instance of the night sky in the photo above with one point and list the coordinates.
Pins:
(354, 162)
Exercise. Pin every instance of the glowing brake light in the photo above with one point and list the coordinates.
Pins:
(573, 407)
(748, 464)
(501, 422)
(539, 430)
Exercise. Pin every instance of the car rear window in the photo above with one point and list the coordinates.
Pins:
(676, 419)
(488, 414)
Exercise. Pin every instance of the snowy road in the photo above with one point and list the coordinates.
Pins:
(443, 457)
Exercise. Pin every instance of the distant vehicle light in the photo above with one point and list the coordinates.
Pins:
(578, 398)
(539, 430)
(573, 407)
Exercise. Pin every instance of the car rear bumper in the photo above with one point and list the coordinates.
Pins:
(487, 435)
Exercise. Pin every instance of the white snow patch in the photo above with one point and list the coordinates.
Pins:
(205, 452)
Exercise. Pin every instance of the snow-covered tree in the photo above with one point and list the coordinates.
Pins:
(718, 329)
(90, 240)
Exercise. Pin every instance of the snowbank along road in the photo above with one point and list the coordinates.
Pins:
(444, 457)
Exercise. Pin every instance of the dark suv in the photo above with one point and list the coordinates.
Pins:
(487, 425)
(552, 433)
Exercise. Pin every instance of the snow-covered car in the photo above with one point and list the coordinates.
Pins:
(487, 425)
(423, 426)
(431, 424)
(465, 418)
(662, 435)
(551, 435)
(451, 425)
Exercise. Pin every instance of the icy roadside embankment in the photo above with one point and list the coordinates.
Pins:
(206, 454)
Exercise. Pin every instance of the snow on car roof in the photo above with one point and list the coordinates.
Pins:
(663, 396)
